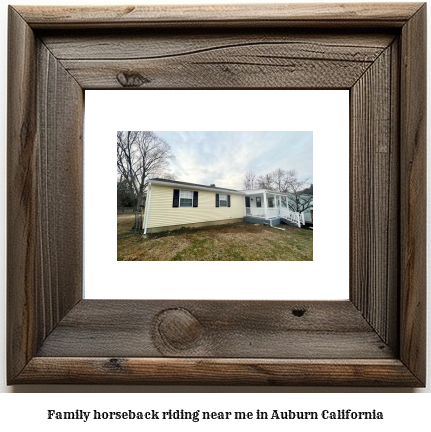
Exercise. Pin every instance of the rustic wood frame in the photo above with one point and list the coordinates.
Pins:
(376, 338)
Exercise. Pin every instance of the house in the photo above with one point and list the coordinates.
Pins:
(270, 206)
(174, 204)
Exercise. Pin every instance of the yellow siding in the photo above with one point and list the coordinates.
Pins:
(163, 214)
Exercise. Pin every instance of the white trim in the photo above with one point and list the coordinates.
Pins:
(260, 191)
(148, 208)
(195, 187)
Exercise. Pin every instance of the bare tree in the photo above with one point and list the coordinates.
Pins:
(261, 182)
(289, 181)
(142, 155)
(283, 180)
(300, 200)
(265, 182)
(250, 180)
(278, 177)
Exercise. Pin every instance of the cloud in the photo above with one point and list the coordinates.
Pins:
(224, 157)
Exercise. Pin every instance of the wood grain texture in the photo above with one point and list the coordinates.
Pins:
(208, 59)
(241, 329)
(55, 337)
(413, 194)
(217, 371)
(140, 44)
(59, 182)
(392, 304)
(300, 14)
(229, 69)
(286, 64)
(374, 195)
(21, 194)
(45, 106)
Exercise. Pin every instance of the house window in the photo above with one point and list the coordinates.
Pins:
(270, 202)
(222, 200)
(284, 201)
(258, 202)
(186, 198)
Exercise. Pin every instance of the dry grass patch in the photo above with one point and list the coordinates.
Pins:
(125, 223)
(138, 249)
(233, 242)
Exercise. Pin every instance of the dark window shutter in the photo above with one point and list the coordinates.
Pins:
(228, 200)
(176, 200)
(195, 198)
(217, 200)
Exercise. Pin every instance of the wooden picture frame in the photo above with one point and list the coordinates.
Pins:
(376, 338)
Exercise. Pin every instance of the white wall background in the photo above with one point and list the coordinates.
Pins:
(24, 410)
(325, 112)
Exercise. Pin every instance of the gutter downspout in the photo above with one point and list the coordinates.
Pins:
(148, 209)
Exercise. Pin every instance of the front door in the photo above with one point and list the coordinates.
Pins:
(247, 205)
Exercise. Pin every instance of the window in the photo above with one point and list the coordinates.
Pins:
(284, 201)
(270, 202)
(258, 202)
(186, 198)
(222, 200)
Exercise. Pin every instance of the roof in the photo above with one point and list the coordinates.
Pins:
(193, 185)
(256, 191)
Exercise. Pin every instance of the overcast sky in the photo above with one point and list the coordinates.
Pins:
(223, 158)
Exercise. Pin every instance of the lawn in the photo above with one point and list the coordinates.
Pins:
(235, 242)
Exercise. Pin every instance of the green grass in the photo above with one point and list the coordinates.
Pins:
(234, 242)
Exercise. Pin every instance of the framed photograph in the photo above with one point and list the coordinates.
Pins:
(376, 337)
